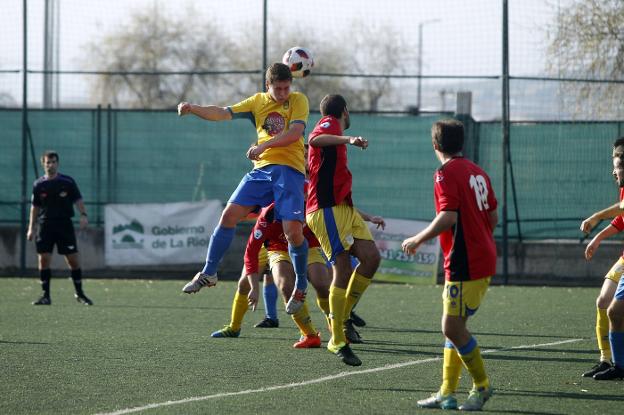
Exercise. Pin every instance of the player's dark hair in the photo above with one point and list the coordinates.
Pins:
(618, 143)
(49, 154)
(448, 135)
(278, 72)
(333, 105)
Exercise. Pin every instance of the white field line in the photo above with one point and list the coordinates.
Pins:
(319, 380)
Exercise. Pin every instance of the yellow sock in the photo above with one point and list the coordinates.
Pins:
(470, 355)
(323, 304)
(602, 334)
(357, 285)
(303, 320)
(337, 299)
(451, 370)
(239, 308)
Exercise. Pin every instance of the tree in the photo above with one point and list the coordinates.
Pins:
(587, 41)
(7, 100)
(371, 49)
(153, 42)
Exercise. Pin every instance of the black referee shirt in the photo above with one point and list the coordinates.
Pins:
(55, 198)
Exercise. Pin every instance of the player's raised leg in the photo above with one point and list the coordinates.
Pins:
(219, 243)
(298, 251)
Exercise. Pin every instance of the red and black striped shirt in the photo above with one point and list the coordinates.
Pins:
(329, 177)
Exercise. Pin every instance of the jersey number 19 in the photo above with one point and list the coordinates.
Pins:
(478, 184)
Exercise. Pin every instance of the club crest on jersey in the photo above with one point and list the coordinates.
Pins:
(63, 193)
(286, 105)
(326, 124)
(257, 234)
(274, 124)
(439, 178)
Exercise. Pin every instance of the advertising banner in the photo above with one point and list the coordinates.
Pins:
(421, 268)
(157, 234)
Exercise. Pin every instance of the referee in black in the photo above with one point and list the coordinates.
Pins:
(54, 195)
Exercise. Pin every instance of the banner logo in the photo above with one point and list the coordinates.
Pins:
(128, 236)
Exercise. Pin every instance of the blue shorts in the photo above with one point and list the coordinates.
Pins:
(619, 292)
(275, 182)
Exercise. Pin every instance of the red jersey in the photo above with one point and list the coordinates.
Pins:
(269, 232)
(618, 221)
(329, 177)
(468, 247)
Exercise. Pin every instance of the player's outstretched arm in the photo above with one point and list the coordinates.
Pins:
(377, 220)
(324, 140)
(443, 221)
(609, 213)
(209, 112)
(593, 245)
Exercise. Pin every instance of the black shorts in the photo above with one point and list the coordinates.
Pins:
(59, 232)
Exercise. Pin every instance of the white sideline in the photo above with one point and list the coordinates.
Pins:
(319, 380)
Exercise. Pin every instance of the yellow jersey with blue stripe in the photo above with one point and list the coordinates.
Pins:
(271, 118)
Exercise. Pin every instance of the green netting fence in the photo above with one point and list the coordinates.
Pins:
(561, 170)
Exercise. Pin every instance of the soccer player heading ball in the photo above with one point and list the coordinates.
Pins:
(278, 175)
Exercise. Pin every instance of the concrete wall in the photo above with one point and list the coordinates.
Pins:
(540, 263)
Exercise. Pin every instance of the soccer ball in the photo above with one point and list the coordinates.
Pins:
(299, 60)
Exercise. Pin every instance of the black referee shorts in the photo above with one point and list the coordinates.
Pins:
(59, 232)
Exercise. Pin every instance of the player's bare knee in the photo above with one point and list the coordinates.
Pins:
(373, 259)
(616, 316)
(243, 286)
(293, 230)
(603, 302)
(295, 238)
(44, 261)
(73, 261)
(286, 288)
(232, 214)
(321, 286)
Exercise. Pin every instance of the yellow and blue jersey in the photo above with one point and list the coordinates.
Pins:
(270, 119)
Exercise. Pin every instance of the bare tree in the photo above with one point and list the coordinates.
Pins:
(7, 100)
(153, 42)
(587, 41)
(369, 49)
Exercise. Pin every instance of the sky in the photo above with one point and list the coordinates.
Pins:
(460, 37)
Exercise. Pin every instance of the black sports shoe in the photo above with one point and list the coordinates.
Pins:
(44, 300)
(351, 334)
(268, 323)
(357, 320)
(83, 299)
(614, 372)
(598, 367)
(348, 357)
